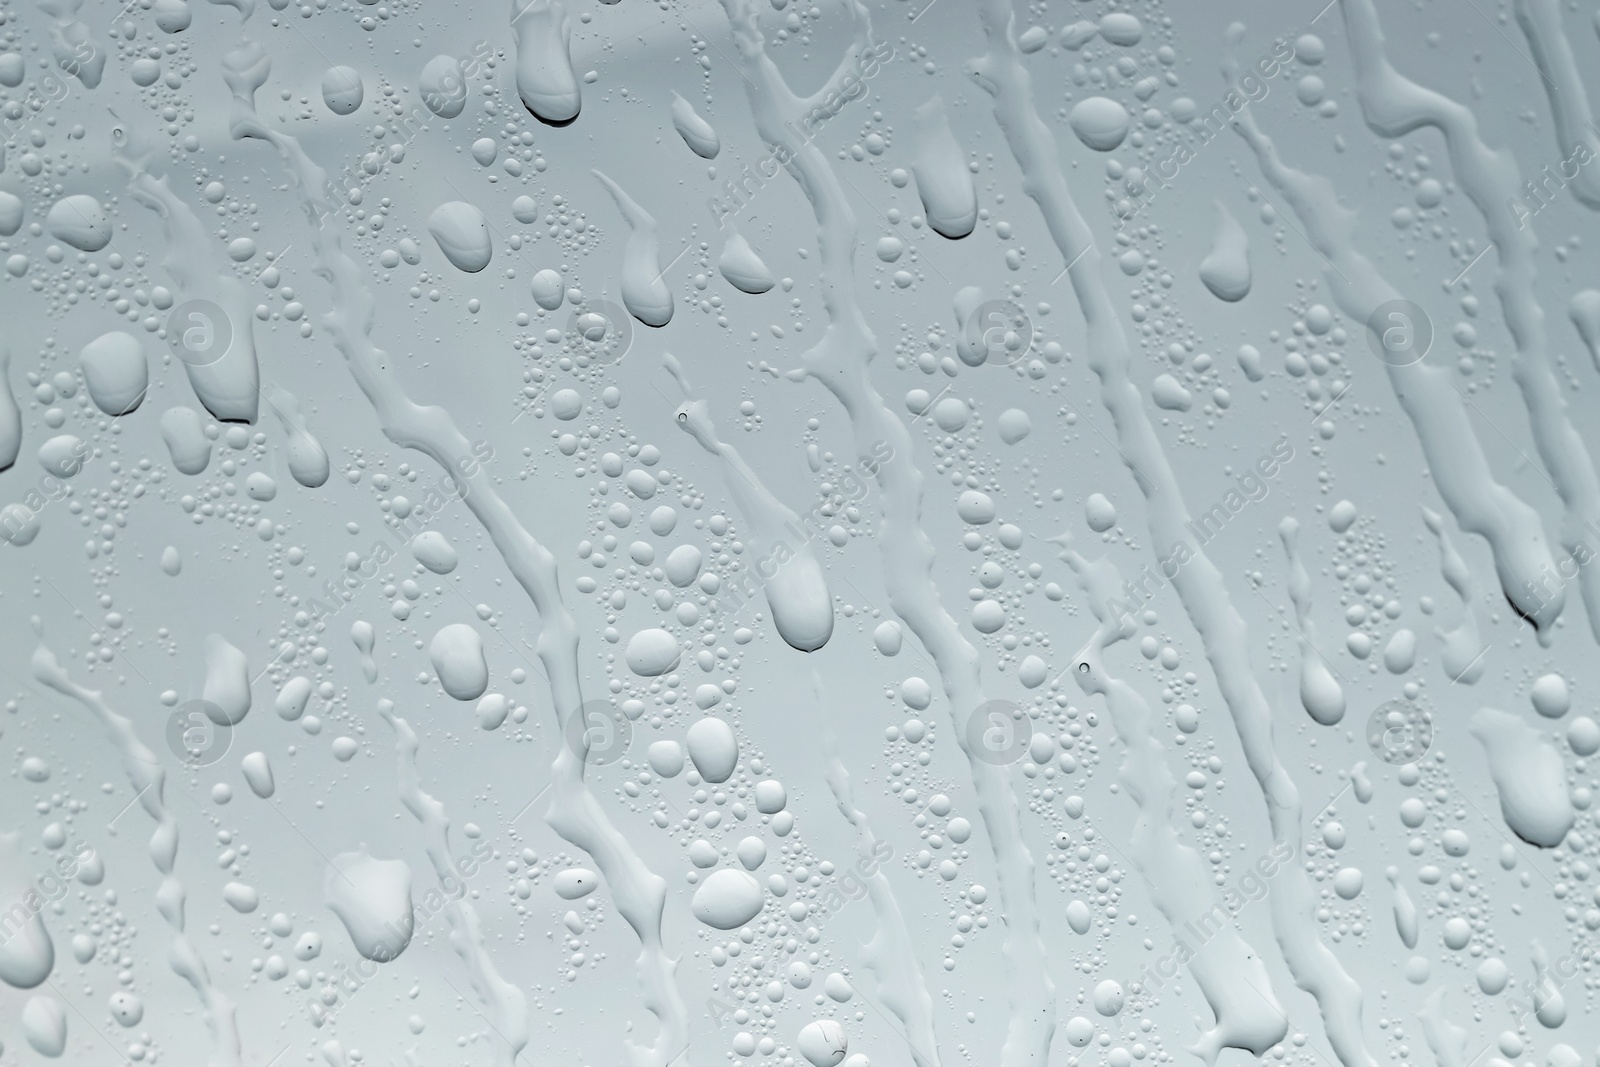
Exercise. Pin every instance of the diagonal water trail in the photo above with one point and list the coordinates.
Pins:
(1320, 692)
(1199, 584)
(1577, 139)
(228, 383)
(891, 954)
(1460, 649)
(1231, 976)
(508, 1007)
(574, 813)
(1393, 106)
(1446, 1040)
(1455, 457)
(841, 362)
(149, 781)
(797, 590)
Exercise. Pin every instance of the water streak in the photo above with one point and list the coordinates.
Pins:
(508, 1007)
(1576, 136)
(1461, 651)
(797, 590)
(1395, 106)
(10, 415)
(149, 781)
(1320, 692)
(644, 293)
(891, 954)
(1231, 976)
(1455, 456)
(574, 813)
(841, 362)
(1204, 595)
(229, 384)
